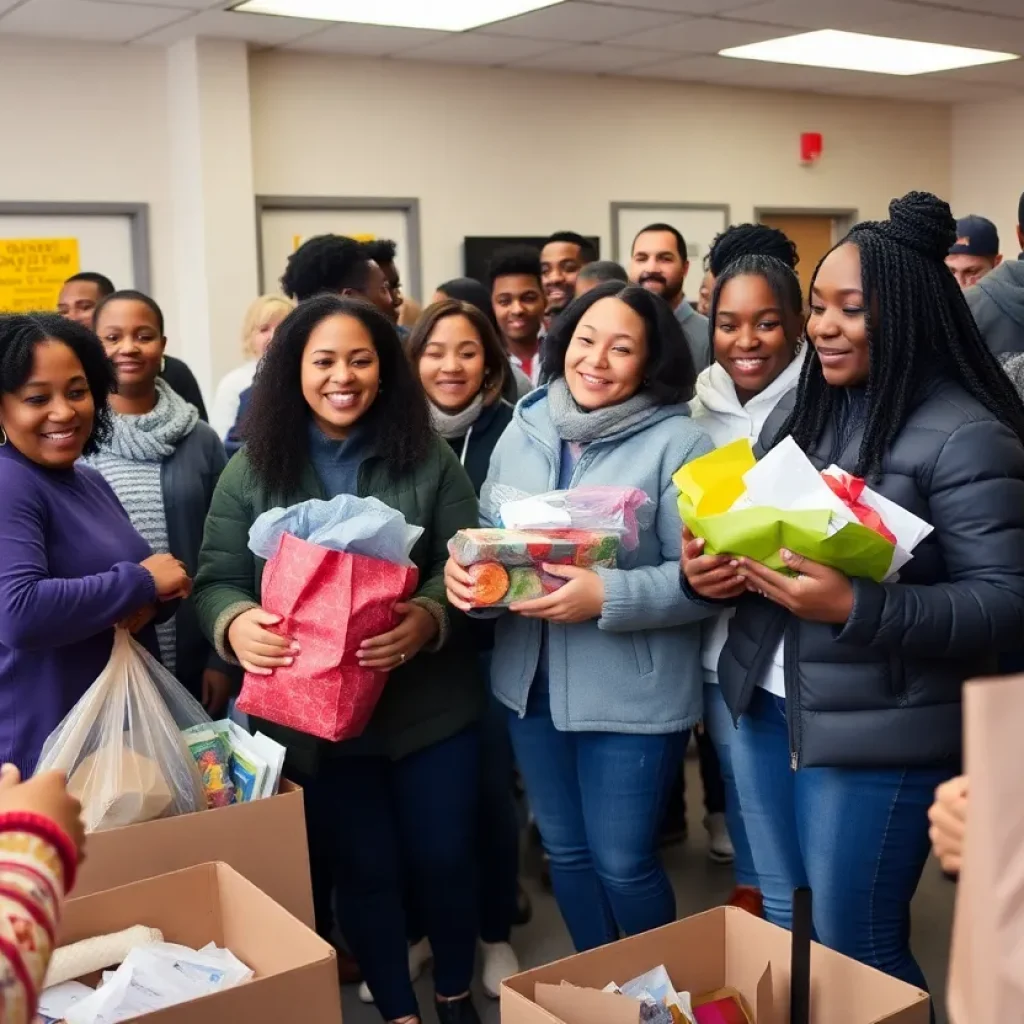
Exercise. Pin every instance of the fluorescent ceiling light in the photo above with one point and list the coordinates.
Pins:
(442, 15)
(852, 51)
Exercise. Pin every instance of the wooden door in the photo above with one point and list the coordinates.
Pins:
(813, 235)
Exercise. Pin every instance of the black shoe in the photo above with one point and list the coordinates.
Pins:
(459, 1011)
(524, 909)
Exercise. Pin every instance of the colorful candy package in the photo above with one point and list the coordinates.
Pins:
(585, 527)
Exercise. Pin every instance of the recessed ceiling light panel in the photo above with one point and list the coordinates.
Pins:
(442, 15)
(853, 51)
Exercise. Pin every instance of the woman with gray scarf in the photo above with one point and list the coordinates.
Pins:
(601, 679)
(163, 463)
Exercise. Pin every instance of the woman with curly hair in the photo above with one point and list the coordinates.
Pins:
(72, 566)
(846, 691)
(336, 409)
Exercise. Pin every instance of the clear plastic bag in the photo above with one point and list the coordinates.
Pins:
(121, 745)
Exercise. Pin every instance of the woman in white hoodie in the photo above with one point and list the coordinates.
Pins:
(757, 331)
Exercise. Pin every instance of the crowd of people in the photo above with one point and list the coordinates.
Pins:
(826, 709)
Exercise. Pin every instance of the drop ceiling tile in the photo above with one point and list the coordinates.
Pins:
(480, 48)
(818, 14)
(1009, 8)
(702, 35)
(184, 5)
(592, 59)
(365, 40)
(6, 5)
(261, 30)
(576, 22)
(956, 28)
(86, 19)
(683, 6)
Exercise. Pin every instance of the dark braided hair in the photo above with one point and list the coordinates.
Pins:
(781, 278)
(745, 239)
(919, 329)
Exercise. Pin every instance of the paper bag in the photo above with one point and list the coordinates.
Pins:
(329, 601)
(986, 971)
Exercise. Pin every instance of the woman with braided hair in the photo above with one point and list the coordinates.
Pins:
(847, 692)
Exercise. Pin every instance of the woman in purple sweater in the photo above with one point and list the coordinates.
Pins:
(71, 564)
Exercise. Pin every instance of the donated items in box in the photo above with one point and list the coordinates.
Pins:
(585, 527)
(741, 506)
(335, 571)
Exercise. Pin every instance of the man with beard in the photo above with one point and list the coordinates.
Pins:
(659, 264)
(562, 257)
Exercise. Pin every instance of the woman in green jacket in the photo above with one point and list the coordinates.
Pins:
(336, 410)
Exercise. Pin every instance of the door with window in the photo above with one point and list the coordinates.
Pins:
(813, 233)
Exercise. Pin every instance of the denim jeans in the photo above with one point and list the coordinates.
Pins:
(388, 825)
(598, 800)
(719, 727)
(857, 837)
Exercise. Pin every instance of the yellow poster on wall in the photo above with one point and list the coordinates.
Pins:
(297, 240)
(32, 271)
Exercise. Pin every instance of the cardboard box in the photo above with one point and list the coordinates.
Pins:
(723, 948)
(296, 971)
(264, 840)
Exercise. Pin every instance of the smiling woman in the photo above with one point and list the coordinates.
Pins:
(335, 410)
(71, 564)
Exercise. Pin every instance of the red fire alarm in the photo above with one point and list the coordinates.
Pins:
(810, 148)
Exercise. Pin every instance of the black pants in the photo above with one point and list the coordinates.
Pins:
(711, 777)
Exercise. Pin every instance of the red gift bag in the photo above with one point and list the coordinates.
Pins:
(329, 601)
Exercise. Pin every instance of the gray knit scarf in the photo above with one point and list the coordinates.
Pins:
(153, 436)
(455, 424)
(580, 426)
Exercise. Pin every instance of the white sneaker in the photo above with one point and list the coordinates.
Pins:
(419, 956)
(500, 962)
(720, 845)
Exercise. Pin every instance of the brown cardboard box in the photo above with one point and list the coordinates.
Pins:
(296, 971)
(723, 948)
(264, 840)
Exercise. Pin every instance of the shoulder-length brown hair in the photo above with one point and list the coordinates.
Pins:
(496, 366)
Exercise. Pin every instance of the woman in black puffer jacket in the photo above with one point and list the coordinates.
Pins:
(847, 692)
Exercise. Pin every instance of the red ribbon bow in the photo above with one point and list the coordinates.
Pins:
(849, 490)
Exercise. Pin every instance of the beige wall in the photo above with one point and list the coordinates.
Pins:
(988, 164)
(500, 152)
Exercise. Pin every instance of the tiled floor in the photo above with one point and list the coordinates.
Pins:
(699, 885)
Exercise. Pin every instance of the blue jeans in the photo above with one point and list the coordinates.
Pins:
(718, 723)
(857, 837)
(598, 800)
(387, 825)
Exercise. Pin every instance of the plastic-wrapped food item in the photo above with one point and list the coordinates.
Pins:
(585, 527)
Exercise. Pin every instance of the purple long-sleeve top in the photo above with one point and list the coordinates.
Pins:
(69, 570)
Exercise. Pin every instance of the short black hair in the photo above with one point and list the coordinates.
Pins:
(675, 232)
(1020, 211)
(22, 333)
(275, 424)
(469, 289)
(104, 284)
(130, 295)
(381, 251)
(669, 375)
(586, 248)
(603, 270)
(324, 265)
(747, 240)
(515, 260)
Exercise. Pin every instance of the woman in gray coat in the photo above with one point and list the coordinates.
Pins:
(163, 463)
(602, 677)
(846, 691)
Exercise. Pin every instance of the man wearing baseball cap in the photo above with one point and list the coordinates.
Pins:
(997, 300)
(976, 250)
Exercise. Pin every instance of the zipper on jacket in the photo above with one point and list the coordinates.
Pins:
(790, 671)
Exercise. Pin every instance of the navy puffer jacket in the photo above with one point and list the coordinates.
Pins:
(884, 690)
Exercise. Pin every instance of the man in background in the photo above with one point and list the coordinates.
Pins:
(382, 252)
(562, 257)
(517, 294)
(336, 265)
(597, 273)
(975, 252)
(997, 301)
(79, 297)
(659, 264)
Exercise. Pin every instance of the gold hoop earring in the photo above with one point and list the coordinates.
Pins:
(3, 437)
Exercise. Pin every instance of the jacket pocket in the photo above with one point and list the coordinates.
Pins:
(642, 652)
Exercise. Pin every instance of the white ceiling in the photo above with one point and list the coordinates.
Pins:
(660, 39)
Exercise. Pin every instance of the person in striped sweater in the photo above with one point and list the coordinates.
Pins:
(41, 842)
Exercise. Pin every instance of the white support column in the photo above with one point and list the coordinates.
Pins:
(212, 201)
